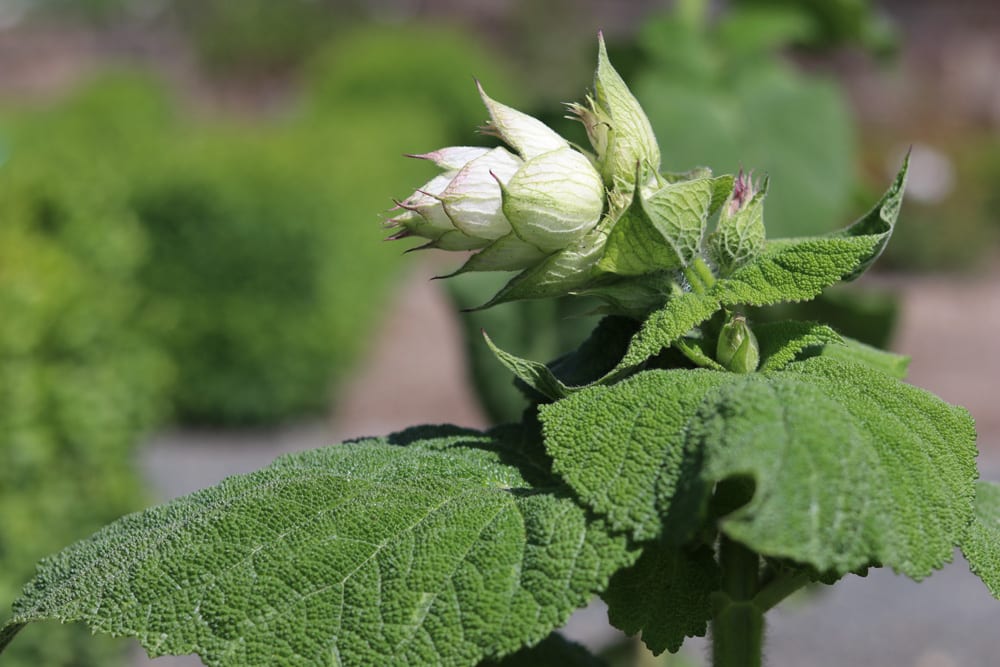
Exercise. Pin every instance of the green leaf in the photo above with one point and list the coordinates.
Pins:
(879, 221)
(662, 231)
(681, 314)
(981, 546)
(624, 450)
(787, 270)
(664, 595)
(553, 650)
(894, 365)
(782, 342)
(433, 546)
(533, 373)
(850, 466)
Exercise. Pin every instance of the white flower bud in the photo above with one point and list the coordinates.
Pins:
(528, 136)
(473, 200)
(554, 199)
(518, 208)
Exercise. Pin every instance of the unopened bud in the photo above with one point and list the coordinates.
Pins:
(737, 348)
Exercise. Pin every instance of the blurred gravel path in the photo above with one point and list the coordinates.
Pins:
(415, 376)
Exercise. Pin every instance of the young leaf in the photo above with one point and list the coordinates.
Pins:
(850, 466)
(781, 342)
(535, 374)
(664, 595)
(787, 270)
(879, 221)
(592, 360)
(981, 546)
(660, 232)
(433, 546)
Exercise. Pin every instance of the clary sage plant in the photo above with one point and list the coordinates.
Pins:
(688, 466)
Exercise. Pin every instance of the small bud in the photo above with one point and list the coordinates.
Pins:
(737, 348)
(739, 236)
(744, 190)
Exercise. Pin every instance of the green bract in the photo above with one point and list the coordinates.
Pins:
(689, 465)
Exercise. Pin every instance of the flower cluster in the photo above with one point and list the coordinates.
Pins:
(605, 222)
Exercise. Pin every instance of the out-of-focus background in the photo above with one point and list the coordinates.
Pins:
(192, 277)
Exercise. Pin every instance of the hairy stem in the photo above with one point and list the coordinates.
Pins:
(699, 276)
(769, 596)
(738, 621)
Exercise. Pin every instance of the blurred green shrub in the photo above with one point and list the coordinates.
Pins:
(256, 35)
(265, 270)
(719, 94)
(416, 69)
(836, 22)
(78, 385)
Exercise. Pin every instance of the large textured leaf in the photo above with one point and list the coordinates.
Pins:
(890, 363)
(850, 466)
(624, 450)
(981, 546)
(415, 549)
(664, 595)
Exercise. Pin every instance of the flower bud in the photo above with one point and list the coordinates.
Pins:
(737, 348)
(739, 235)
(517, 206)
(617, 127)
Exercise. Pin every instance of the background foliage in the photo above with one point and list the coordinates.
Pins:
(78, 386)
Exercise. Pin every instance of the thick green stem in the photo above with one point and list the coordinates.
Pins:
(769, 596)
(738, 621)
